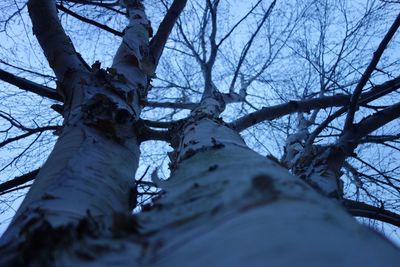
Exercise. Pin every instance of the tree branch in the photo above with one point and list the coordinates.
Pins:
(273, 112)
(159, 40)
(270, 113)
(367, 74)
(374, 93)
(170, 105)
(360, 209)
(29, 86)
(377, 120)
(57, 46)
(214, 48)
(238, 23)
(160, 124)
(89, 21)
(248, 46)
(19, 180)
(379, 139)
(28, 133)
(147, 134)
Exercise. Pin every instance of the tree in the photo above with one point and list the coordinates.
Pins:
(223, 204)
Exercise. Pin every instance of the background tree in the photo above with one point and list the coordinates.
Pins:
(312, 84)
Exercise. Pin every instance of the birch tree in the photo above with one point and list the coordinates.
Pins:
(210, 86)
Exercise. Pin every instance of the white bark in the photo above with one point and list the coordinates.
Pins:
(91, 167)
(312, 162)
(88, 177)
(225, 205)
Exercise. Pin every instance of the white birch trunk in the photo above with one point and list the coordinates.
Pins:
(88, 177)
(226, 205)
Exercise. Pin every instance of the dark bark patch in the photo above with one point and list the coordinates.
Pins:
(212, 167)
(151, 206)
(88, 227)
(124, 224)
(122, 116)
(262, 183)
(41, 245)
(47, 196)
(215, 144)
(130, 96)
(262, 192)
(189, 153)
(216, 209)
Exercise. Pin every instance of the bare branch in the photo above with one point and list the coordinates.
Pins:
(159, 40)
(57, 46)
(374, 93)
(159, 124)
(89, 21)
(360, 209)
(28, 133)
(170, 105)
(248, 46)
(273, 112)
(29, 86)
(367, 74)
(50, 77)
(237, 24)
(15, 189)
(19, 180)
(189, 45)
(150, 134)
(377, 120)
(214, 48)
(270, 113)
(101, 3)
(380, 139)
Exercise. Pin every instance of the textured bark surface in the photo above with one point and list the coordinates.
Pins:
(74, 207)
(226, 205)
(223, 205)
(89, 173)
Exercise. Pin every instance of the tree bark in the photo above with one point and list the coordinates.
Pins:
(88, 177)
(226, 205)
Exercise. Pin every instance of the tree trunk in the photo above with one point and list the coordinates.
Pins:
(88, 175)
(226, 205)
